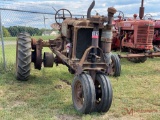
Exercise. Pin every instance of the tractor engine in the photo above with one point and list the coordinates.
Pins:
(86, 39)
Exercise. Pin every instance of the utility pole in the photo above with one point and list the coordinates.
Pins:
(45, 24)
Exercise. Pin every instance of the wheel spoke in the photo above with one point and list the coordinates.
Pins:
(61, 12)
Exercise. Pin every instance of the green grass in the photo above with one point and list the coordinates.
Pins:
(10, 48)
(47, 94)
(36, 37)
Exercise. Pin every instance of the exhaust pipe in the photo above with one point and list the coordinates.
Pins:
(106, 38)
(111, 12)
(90, 8)
(141, 10)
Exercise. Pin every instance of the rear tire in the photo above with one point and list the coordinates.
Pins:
(115, 66)
(23, 56)
(142, 59)
(83, 93)
(103, 93)
(138, 60)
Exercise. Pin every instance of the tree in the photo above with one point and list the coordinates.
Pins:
(21, 29)
(5, 32)
(13, 31)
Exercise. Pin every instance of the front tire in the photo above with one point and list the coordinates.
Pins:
(83, 93)
(103, 93)
(23, 56)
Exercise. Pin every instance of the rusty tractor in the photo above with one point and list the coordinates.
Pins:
(84, 46)
(134, 36)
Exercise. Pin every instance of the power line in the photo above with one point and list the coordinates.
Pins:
(26, 11)
(35, 12)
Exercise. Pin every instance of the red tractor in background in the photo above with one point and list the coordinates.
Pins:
(156, 38)
(134, 36)
(116, 43)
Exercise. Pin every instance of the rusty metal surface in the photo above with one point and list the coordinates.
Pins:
(33, 43)
(111, 12)
(37, 53)
(93, 58)
(60, 14)
(89, 9)
(48, 59)
(74, 43)
(99, 64)
(38, 61)
(106, 39)
(153, 54)
(83, 23)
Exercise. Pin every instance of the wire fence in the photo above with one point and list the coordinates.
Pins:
(11, 19)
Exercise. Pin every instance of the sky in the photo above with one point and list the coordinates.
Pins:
(128, 7)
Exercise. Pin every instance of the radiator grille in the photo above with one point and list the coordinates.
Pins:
(84, 40)
(145, 34)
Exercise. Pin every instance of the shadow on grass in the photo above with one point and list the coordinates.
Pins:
(45, 89)
(69, 110)
(43, 76)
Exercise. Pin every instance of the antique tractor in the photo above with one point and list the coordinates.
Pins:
(156, 38)
(84, 46)
(135, 36)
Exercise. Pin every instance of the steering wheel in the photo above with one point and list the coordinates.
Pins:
(120, 15)
(61, 15)
(148, 16)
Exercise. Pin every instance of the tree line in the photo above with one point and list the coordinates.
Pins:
(13, 31)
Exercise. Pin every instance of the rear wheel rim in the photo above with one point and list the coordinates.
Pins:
(98, 92)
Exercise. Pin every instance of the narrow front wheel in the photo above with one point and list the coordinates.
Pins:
(83, 93)
(103, 93)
